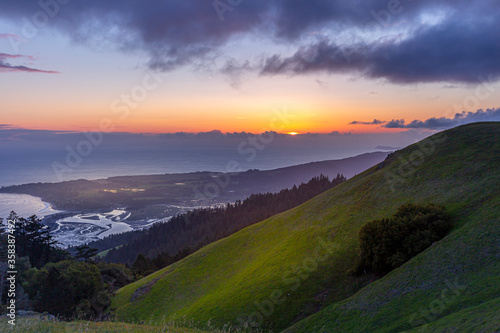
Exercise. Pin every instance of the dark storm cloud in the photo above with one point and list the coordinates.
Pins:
(443, 122)
(172, 33)
(457, 48)
(452, 52)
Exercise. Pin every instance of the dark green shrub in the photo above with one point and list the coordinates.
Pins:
(388, 243)
(115, 276)
(65, 289)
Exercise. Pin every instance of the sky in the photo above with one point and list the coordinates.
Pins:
(287, 66)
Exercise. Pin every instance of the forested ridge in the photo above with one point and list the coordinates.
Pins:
(190, 231)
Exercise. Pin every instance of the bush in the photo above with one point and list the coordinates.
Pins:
(115, 276)
(390, 242)
(65, 289)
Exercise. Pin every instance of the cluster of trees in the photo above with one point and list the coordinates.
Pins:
(34, 240)
(80, 286)
(388, 243)
(75, 289)
(144, 266)
(55, 281)
(192, 230)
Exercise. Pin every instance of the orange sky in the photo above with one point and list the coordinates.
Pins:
(187, 102)
(65, 80)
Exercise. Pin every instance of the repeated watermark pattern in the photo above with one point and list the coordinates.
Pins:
(292, 278)
(249, 150)
(448, 295)
(406, 167)
(381, 19)
(223, 6)
(122, 107)
(31, 26)
(485, 89)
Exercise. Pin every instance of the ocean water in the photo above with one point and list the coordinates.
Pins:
(37, 165)
(24, 205)
(74, 229)
(33, 165)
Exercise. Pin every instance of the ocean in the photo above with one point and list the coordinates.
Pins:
(36, 165)
(30, 165)
(24, 205)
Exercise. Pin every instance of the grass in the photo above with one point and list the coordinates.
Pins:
(279, 272)
(38, 325)
(44, 325)
(418, 293)
(481, 318)
(102, 254)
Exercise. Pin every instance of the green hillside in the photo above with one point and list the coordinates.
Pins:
(279, 271)
(45, 325)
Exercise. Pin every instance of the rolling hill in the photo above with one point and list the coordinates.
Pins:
(293, 268)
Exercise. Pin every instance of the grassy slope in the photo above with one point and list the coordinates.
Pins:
(223, 281)
(418, 294)
(34, 324)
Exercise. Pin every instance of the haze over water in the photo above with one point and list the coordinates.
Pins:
(36, 165)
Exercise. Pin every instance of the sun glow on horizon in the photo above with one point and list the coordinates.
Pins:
(292, 133)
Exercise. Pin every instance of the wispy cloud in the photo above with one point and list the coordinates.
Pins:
(15, 56)
(444, 123)
(374, 122)
(14, 36)
(7, 67)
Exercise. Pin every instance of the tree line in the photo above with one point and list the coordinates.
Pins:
(190, 231)
(50, 279)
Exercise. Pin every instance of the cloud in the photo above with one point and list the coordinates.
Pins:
(444, 123)
(9, 36)
(374, 122)
(395, 123)
(321, 83)
(412, 41)
(449, 52)
(341, 143)
(7, 67)
(14, 56)
(235, 71)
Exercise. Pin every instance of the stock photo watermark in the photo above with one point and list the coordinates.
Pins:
(292, 279)
(123, 107)
(249, 149)
(406, 167)
(484, 90)
(11, 272)
(30, 26)
(436, 307)
(223, 6)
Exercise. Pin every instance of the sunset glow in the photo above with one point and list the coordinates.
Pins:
(118, 86)
(249, 165)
